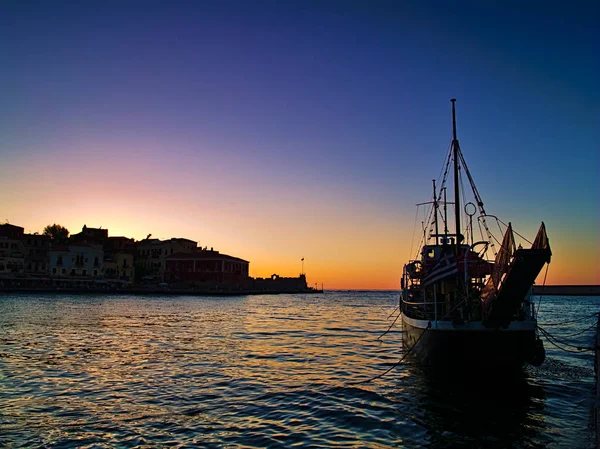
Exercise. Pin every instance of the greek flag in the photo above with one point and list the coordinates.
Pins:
(445, 268)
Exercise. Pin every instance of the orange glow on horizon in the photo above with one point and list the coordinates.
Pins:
(329, 261)
(348, 241)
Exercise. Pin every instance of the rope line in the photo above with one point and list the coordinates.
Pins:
(427, 214)
(531, 243)
(390, 315)
(391, 325)
(414, 231)
(555, 342)
(397, 363)
(581, 332)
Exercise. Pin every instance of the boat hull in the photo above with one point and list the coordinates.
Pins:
(454, 346)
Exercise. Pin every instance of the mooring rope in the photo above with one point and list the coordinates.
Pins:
(554, 341)
(581, 332)
(397, 363)
(390, 315)
(391, 325)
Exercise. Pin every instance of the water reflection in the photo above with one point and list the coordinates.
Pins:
(463, 409)
(92, 371)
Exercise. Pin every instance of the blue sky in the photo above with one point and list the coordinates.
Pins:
(331, 106)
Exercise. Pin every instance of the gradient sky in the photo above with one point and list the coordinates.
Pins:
(279, 130)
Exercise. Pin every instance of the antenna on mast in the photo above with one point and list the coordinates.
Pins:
(453, 119)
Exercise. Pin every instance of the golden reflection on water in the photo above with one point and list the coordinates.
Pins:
(96, 360)
(263, 369)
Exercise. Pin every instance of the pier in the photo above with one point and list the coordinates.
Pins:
(567, 290)
(80, 285)
(156, 291)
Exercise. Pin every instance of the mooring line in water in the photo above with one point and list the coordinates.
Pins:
(554, 341)
(394, 311)
(397, 363)
(391, 325)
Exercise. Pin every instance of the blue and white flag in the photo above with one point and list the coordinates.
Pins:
(445, 268)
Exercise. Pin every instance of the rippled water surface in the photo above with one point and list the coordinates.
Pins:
(269, 371)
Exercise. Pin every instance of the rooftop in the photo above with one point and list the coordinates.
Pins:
(205, 255)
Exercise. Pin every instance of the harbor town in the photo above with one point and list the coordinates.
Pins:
(93, 260)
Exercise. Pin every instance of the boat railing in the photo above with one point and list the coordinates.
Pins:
(434, 311)
(421, 309)
(418, 303)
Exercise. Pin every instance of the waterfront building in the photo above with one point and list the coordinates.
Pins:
(11, 231)
(151, 256)
(80, 260)
(278, 283)
(90, 235)
(119, 258)
(60, 261)
(37, 254)
(207, 268)
(12, 250)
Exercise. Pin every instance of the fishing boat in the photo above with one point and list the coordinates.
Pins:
(464, 300)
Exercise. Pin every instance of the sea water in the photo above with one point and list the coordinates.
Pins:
(270, 371)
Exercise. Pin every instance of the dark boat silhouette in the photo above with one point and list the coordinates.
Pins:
(467, 301)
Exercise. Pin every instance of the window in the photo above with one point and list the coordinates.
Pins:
(53, 270)
(84, 272)
(72, 271)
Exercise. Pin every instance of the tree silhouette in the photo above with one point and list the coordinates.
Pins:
(57, 233)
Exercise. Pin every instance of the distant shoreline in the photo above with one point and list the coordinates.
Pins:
(154, 292)
(547, 290)
(567, 290)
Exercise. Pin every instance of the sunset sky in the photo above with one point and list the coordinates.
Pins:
(276, 130)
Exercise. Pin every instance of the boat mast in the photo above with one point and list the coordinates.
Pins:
(456, 150)
(445, 217)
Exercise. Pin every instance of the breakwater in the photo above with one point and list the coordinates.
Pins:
(85, 285)
(567, 290)
(155, 291)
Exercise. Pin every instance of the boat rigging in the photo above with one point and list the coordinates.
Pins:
(471, 307)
